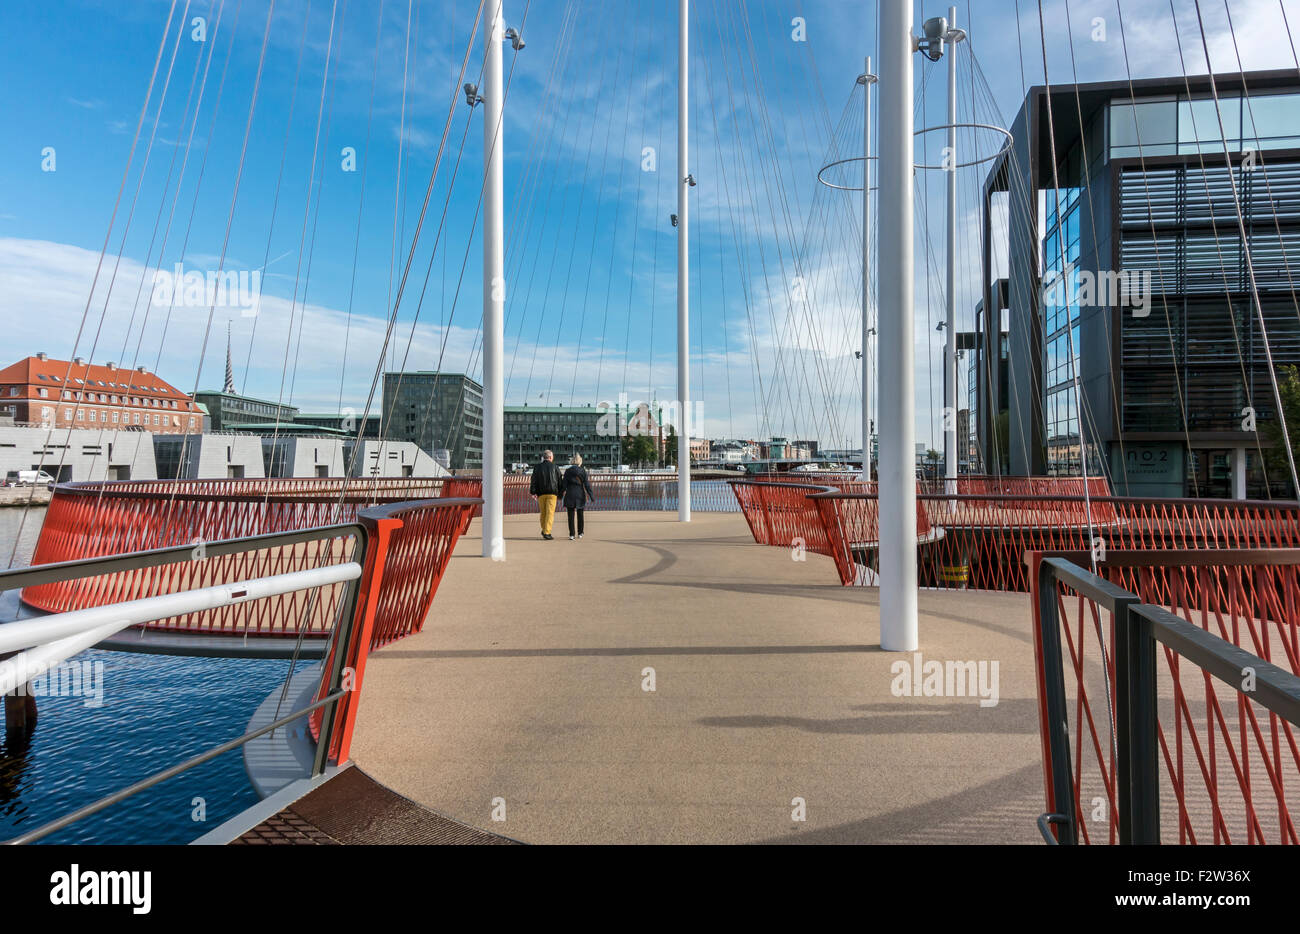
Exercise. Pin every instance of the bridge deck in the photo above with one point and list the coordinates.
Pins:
(526, 686)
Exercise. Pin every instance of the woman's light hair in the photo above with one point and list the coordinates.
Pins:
(577, 459)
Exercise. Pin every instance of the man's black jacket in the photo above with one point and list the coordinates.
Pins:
(546, 480)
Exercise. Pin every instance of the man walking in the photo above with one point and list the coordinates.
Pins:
(545, 487)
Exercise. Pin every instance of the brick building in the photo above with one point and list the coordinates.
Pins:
(57, 394)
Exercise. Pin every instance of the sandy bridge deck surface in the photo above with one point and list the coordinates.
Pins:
(526, 685)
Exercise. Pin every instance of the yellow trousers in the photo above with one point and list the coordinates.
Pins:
(547, 506)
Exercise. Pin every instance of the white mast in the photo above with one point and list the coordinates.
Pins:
(950, 344)
(684, 181)
(897, 470)
(866, 80)
(494, 545)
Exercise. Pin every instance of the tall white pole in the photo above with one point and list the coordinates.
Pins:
(897, 430)
(950, 344)
(683, 270)
(867, 80)
(494, 543)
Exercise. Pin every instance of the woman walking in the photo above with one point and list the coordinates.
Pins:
(577, 490)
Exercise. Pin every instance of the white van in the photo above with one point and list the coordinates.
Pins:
(34, 478)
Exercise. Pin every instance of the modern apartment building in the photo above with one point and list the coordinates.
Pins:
(1131, 271)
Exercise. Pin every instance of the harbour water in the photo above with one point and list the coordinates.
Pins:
(151, 712)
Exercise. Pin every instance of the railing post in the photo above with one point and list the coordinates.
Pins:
(1060, 781)
(1138, 768)
(1127, 651)
(336, 731)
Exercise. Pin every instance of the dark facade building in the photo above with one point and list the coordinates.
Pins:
(566, 430)
(442, 413)
(1132, 263)
(229, 409)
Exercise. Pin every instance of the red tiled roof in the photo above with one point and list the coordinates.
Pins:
(33, 371)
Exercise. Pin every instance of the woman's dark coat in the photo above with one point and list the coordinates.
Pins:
(577, 488)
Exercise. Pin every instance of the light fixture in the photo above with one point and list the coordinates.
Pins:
(472, 96)
(937, 36)
(690, 180)
(516, 40)
(941, 325)
(674, 219)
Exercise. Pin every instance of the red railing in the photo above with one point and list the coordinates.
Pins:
(978, 541)
(793, 515)
(1228, 769)
(410, 546)
(88, 520)
(92, 520)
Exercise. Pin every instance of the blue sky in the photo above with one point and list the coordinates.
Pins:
(590, 251)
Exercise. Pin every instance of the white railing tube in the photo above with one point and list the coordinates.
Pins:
(62, 635)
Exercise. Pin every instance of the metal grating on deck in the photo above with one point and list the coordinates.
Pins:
(353, 808)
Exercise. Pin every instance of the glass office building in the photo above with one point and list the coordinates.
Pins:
(1134, 326)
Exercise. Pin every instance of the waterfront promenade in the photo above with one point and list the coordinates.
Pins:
(526, 685)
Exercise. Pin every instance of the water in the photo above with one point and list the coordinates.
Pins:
(706, 495)
(156, 711)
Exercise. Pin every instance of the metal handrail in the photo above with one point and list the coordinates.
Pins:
(1186, 557)
(71, 570)
(1275, 688)
(1280, 505)
(1115, 600)
(1138, 627)
(56, 572)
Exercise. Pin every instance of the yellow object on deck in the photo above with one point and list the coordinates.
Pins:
(954, 575)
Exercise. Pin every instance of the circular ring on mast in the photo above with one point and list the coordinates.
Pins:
(1006, 147)
(831, 165)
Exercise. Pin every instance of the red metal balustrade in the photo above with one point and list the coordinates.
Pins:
(1229, 769)
(91, 520)
(978, 540)
(98, 519)
(404, 549)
